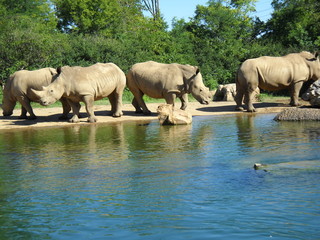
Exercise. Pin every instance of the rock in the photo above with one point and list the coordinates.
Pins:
(313, 94)
(167, 115)
(227, 92)
(298, 114)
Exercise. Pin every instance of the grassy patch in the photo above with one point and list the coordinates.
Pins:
(269, 97)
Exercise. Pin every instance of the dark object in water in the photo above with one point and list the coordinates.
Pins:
(302, 165)
(257, 166)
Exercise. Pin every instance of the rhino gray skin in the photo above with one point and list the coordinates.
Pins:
(86, 84)
(18, 88)
(275, 73)
(168, 81)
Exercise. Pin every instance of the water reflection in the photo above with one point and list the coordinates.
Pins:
(271, 137)
(246, 135)
(130, 180)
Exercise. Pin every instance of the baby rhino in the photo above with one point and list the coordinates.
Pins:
(86, 84)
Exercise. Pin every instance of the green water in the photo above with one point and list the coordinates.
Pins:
(145, 181)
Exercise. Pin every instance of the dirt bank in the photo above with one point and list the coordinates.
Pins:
(48, 117)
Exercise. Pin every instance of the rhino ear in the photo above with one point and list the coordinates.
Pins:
(197, 69)
(316, 55)
(52, 71)
(59, 70)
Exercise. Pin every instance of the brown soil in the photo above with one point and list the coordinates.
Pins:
(49, 117)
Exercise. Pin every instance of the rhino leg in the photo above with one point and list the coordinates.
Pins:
(295, 90)
(74, 119)
(238, 99)
(116, 104)
(25, 103)
(66, 109)
(184, 101)
(75, 106)
(23, 114)
(248, 101)
(170, 98)
(140, 102)
(89, 100)
(136, 106)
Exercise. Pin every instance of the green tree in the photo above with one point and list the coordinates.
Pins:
(153, 7)
(27, 32)
(221, 32)
(183, 40)
(39, 10)
(108, 17)
(295, 23)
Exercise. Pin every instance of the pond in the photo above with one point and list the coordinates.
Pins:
(145, 181)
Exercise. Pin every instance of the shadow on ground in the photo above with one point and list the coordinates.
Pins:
(54, 118)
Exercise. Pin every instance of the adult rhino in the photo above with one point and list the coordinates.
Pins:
(18, 88)
(168, 81)
(86, 84)
(275, 73)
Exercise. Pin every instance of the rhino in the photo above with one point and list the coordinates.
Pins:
(168, 81)
(86, 84)
(275, 73)
(18, 88)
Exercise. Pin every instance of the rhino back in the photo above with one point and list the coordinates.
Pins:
(154, 78)
(22, 81)
(275, 72)
(99, 80)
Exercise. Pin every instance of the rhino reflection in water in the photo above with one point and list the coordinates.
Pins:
(168, 81)
(86, 84)
(275, 73)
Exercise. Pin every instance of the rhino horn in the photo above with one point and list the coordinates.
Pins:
(37, 93)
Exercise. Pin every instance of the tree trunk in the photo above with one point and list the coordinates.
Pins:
(153, 7)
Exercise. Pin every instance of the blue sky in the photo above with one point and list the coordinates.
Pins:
(186, 8)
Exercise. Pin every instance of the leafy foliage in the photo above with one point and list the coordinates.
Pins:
(220, 32)
(301, 28)
(220, 35)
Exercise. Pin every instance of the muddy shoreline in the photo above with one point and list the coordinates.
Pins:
(49, 117)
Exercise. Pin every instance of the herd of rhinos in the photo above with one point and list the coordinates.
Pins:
(72, 85)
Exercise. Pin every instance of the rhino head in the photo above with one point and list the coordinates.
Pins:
(48, 95)
(7, 108)
(51, 93)
(8, 103)
(198, 90)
